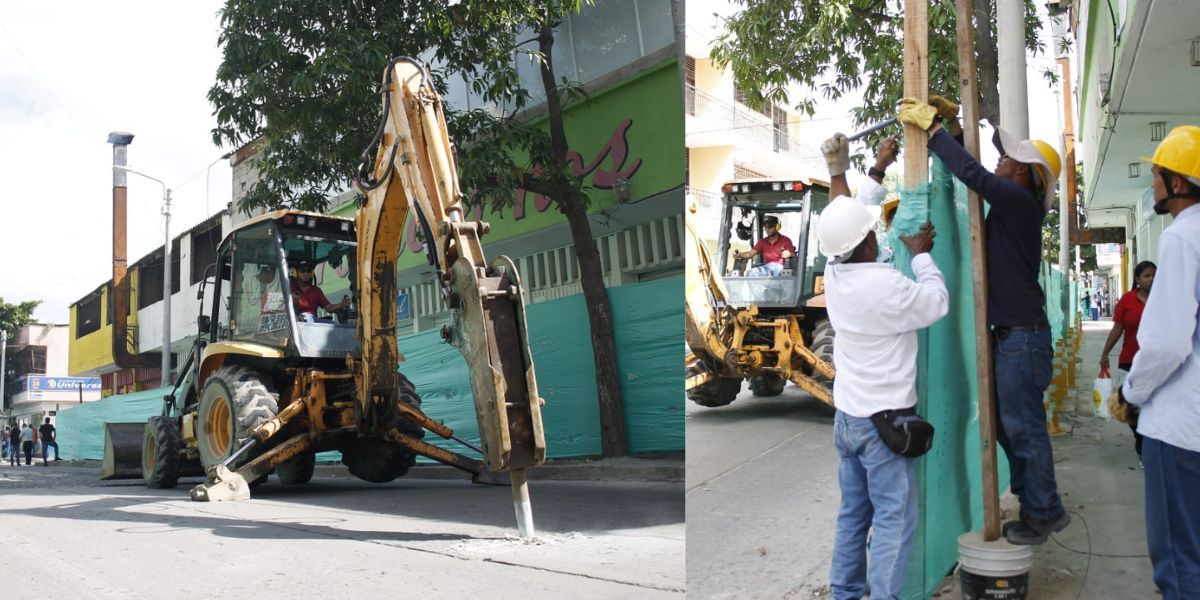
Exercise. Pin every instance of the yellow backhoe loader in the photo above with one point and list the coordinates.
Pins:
(269, 385)
(740, 325)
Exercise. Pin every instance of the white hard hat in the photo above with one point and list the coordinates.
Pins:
(844, 224)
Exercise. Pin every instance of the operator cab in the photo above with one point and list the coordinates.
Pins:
(258, 284)
(797, 204)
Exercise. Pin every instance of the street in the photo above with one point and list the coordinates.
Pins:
(761, 496)
(68, 535)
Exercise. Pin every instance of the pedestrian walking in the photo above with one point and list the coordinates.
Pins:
(27, 443)
(1018, 195)
(876, 312)
(1165, 377)
(48, 435)
(14, 446)
(1126, 318)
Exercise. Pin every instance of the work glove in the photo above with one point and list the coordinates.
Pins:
(946, 108)
(915, 112)
(837, 154)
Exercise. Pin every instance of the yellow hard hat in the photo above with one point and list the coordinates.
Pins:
(1051, 155)
(1179, 151)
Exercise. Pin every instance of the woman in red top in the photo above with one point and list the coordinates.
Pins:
(1125, 321)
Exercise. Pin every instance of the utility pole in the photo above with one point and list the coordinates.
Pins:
(120, 140)
(1014, 91)
(1067, 195)
(166, 338)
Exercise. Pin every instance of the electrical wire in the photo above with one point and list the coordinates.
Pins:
(1087, 569)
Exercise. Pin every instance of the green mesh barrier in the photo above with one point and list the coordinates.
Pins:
(950, 475)
(80, 427)
(1051, 280)
(649, 335)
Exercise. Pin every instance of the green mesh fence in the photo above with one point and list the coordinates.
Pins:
(649, 334)
(950, 475)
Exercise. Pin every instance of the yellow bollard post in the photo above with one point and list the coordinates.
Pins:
(1056, 394)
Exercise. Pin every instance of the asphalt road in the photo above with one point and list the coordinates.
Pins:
(761, 497)
(68, 535)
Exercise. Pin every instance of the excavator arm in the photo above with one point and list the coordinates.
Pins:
(410, 167)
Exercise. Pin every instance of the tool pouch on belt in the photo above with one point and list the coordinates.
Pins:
(904, 431)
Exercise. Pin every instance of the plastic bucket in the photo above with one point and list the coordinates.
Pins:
(993, 570)
(987, 587)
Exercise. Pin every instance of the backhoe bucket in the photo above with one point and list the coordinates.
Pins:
(122, 451)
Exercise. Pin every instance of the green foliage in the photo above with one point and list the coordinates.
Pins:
(305, 77)
(15, 316)
(836, 46)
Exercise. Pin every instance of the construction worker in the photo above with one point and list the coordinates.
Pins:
(1165, 375)
(1019, 193)
(774, 248)
(837, 158)
(875, 311)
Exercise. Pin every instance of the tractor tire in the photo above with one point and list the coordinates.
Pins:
(767, 385)
(380, 461)
(718, 392)
(235, 401)
(822, 344)
(298, 469)
(160, 453)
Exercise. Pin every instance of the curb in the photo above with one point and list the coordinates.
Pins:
(665, 468)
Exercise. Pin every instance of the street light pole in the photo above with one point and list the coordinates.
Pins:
(166, 326)
(166, 350)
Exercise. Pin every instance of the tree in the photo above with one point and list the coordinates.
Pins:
(836, 46)
(304, 77)
(15, 316)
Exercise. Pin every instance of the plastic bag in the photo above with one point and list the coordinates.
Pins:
(1102, 388)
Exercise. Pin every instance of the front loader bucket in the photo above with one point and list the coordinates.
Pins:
(122, 451)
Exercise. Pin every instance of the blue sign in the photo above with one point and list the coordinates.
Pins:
(38, 383)
(403, 308)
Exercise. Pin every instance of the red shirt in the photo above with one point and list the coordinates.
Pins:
(309, 300)
(1128, 313)
(773, 253)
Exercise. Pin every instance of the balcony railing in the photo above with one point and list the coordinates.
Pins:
(720, 115)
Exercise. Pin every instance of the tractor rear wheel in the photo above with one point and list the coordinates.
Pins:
(298, 469)
(822, 344)
(235, 401)
(380, 461)
(160, 453)
(767, 385)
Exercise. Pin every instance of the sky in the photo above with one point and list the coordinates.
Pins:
(70, 73)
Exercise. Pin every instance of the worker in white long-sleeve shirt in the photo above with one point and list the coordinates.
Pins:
(875, 311)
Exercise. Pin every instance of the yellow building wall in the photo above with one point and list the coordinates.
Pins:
(94, 350)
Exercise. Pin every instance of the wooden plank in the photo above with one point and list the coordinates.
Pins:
(916, 85)
(983, 356)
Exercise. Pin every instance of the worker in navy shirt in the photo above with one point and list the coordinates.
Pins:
(1018, 195)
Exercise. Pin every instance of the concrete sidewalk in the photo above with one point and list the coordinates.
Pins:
(1102, 554)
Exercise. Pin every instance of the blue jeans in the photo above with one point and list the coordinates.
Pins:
(1173, 517)
(879, 491)
(1024, 365)
(766, 270)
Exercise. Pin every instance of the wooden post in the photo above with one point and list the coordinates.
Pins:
(983, 356)
(916, 85)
